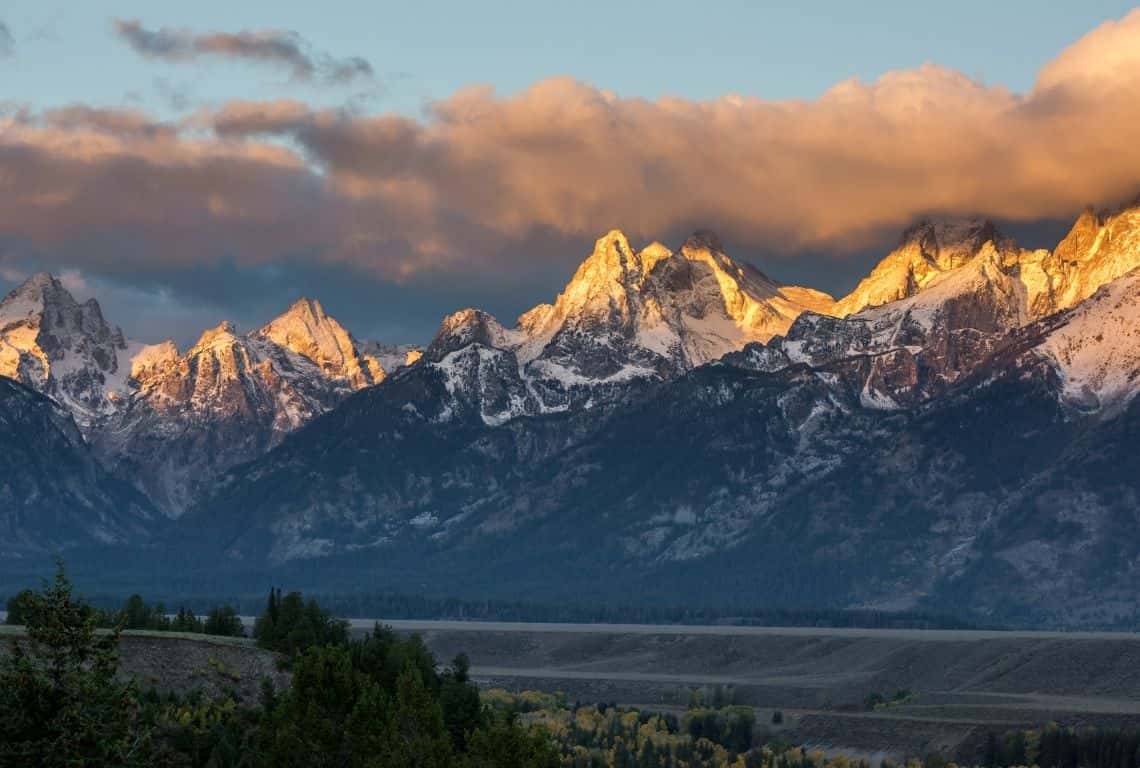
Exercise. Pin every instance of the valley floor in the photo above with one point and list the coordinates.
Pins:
(962, 684)
(959, 685)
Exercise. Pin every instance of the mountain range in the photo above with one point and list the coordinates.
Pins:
(955, 434)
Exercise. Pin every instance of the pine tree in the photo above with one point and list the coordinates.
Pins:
(60, 703)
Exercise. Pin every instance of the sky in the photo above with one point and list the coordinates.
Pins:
(188, 163)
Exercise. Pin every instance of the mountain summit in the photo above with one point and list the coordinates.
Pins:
(625, 315)
(688, 307)
(171, 421)
(62, 348)
(926, 250)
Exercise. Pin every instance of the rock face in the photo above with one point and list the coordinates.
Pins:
(926, 251)
(229, 399)
(625, 316)
(54, 494)
(956, 435)
(62, 348)
(1095, 347)
(1098, 249)
(913, 348)
(170, 422)
(957, 448)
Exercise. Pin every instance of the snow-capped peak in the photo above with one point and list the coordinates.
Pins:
(466, 327)
(626, 314)
(606, 286)
(224, 332)
(926, 250)
(58, 346)
(308, 331)
(689, 306)
(1098, 249)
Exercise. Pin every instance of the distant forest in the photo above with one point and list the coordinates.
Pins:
(403, 606)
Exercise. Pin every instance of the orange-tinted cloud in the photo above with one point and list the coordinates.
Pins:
(257, 181)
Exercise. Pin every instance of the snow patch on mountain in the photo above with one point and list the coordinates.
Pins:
(62, 348)
(624, 315)
(926, 250)
(1096, 350)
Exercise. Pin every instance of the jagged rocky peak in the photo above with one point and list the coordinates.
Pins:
(36, 293)
(223, 333)
(1078, 244)
(306, 329)
(1100, 247)
(949, 243)
(606, 285)
(691, 305)
(44, 302)
(466, 327)
(153, 359)
(62, 348)
(926, 250)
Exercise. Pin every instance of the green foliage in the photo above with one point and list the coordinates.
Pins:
(138, 614)
(186, 621)
(193, 731)
(60, 703)
(291, 626)
(1056, 747)
(224, 621)
(505, 743)
(18, 606)
(606, 735)
(459, 700)
(337, 714)
(731, 726)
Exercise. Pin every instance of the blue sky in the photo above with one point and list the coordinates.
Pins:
(394, 215)
(66, 52)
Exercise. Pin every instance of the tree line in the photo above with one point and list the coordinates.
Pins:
(379, 701)
(137, 614)
(1062, 747)
(384, 701)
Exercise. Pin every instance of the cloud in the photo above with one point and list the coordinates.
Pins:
(786, 175)
(282, 48)
(491, 190)
(7, 43)
(120, 122)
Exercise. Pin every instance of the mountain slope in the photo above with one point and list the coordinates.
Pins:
(1096, 347)
(53, 493)
(914, 347)
(170, 422)
(625, 316)
(947, 448)
(229, 399)
(64, 349)
(925, 251)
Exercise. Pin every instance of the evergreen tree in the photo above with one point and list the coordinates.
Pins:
(60, 703)
(505, 744)
(459, 699)
(224, 621)
(18, 605)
